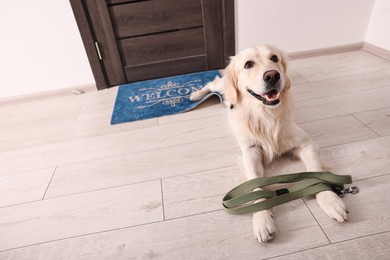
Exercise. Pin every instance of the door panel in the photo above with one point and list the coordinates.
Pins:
(148, 17)
(139, 40)
(165, 68)
(162, 47)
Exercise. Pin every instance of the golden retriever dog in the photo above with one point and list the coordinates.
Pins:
(256, 88)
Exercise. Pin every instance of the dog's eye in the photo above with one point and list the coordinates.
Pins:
(249, 64)
(274, 58)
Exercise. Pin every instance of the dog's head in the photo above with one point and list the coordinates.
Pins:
(257, 73)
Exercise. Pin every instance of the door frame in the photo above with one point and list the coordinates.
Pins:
(88, 35)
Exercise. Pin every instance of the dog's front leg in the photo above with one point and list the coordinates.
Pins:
(329, 202)
(263, 223)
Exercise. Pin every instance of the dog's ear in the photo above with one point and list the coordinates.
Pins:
(230, 87)
(284, 62)
(287, 82)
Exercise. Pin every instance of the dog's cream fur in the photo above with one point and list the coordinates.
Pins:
(265, 131)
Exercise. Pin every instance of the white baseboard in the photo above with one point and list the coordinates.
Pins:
(378, 51)
(49, 94)
(325, 51)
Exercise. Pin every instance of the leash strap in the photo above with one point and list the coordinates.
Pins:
(247, 198)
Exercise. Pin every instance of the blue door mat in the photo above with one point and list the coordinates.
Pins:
(160, 97)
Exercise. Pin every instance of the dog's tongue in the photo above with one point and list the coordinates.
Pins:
(271, 95)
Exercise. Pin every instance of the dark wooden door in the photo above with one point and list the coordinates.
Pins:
(129, 40)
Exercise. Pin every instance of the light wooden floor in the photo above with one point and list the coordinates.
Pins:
(74, 187)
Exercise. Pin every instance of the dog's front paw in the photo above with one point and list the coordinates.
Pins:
(332, 205)
(263, 226)
(197, 95)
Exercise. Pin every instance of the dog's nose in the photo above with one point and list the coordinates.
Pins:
(271, 77)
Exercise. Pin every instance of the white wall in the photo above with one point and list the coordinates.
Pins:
(379, 29)
(298, 25)
(40, 48)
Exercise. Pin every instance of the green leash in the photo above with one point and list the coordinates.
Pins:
(240, 200)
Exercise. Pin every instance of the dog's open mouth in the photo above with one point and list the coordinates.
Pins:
(270, 98)
(271, 95)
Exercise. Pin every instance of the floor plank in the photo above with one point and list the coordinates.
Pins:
(363, 159)
(387, 71)
(372, 219)
(335, 66)
(332, 60)
(24, 187)
(16, 125)
(143, 166)
(339, 86)
(337, 130)
(7, 109)
(211, 107)
(296, 78)
(62, 119)
(341, 71)
(215, 235)
(113, 144)
(42, 134)
(377, 120)
(53, 219)
(197, 193)
(374, 247)
(315, 109)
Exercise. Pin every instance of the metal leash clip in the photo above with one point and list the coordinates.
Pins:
(352, 190)
(341, 192)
